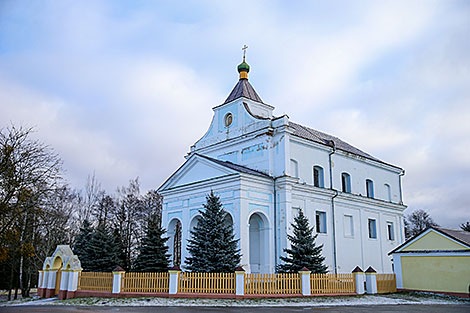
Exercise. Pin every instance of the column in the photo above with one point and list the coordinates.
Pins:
(118, 274)
(73, 283)
(371, 280)
(305, 281)
(50, 289)
(360, 279)
(239, 281)
(64, 285)
(174, 275)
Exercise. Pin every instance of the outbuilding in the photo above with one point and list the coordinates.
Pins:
(436, 260)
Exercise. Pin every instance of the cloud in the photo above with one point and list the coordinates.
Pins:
(125, 89)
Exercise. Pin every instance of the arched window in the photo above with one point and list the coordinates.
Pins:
(388, 192)
(294, 168)
(370, 188)
(345, 182)
(318, 176)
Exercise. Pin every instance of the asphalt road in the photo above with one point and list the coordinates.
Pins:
(449, 308)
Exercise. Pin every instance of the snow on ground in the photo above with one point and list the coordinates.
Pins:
(397, 298)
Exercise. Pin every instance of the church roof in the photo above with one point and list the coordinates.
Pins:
(235, 167)
(243, 89)
(322, 138)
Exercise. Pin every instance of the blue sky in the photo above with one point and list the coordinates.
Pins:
(124, 88)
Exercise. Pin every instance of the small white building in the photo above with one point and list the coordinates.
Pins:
(265, 168)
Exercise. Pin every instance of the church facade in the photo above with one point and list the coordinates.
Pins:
(265, 169)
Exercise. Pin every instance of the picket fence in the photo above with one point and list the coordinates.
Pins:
(95, 281)
(386, 283)
(225, 283)
(285, 283)
(146, 282)
(219, 283)
(332, 283)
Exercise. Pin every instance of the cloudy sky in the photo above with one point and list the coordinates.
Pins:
(124, 88)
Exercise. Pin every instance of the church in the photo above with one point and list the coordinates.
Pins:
(265, 169)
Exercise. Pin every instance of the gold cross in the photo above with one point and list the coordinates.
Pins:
(244, 51)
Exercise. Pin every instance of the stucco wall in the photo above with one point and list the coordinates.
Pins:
(436, 273)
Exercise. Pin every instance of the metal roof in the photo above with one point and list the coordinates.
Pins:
(243, 89)
(325, 139)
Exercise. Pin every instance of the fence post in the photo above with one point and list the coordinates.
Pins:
(174, 275)
(371, 280)
(305, 281)
(118, 273)
(359, 278)
(239, 281)
(73, 283)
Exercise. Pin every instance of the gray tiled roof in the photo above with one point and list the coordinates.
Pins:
(243, 89)
(461, 235)
(322, 138)
(236, 167)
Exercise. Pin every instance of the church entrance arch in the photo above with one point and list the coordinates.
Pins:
(57, 266)
(259, 243)
(174, 241)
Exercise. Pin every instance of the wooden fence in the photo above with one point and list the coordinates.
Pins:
(95, 281)
(386, 283)
(285, 283)
(145, 282)
(332, 283)
(220, 283)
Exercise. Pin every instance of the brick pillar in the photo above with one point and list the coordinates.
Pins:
(360, 279)
(40, 278)
(239, 281)
(44, 282)
(305, 281)
(73, 283)
(371, 280)
(64, 285)
(174, 275)
(50, 288)
(118, 274)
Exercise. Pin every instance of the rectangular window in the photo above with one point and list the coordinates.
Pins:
(348, 226)
(320, 219)
(372, 229)
(390, 233)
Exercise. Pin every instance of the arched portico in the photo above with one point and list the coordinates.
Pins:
(259, 243)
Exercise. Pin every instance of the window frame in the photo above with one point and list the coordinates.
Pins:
(320, 219)
(321, 177)
(345, 182)
(390, 231)
(370, 188)
(372, 232)
(294, 163)
(350, 219)
(388, 192)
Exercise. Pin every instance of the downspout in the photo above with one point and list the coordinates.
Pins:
(402, 173)
(332, 144)
(275, 223)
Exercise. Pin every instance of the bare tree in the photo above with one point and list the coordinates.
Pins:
(416, 222)
(465, 226)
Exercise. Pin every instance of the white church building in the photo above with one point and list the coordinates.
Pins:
(266, 168)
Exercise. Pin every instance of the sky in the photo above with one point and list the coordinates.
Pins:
(122, 89)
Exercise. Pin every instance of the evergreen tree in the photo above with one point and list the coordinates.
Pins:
(153, 256)
(213, 247)
(102, 250)
(303, 252)
(82, 244)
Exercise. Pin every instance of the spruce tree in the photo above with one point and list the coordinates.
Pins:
(81, 246)
(213, 247)
(303, 252)
(153, 253)
(102, 250)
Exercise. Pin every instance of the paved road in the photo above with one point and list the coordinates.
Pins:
(448, 308)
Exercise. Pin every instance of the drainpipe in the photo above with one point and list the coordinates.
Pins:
(399, 184)
(275, 223)
(332, 144)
